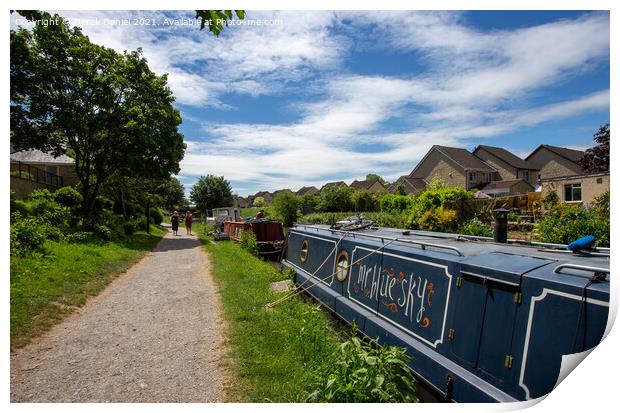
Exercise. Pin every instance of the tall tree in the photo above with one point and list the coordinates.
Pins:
(173, 193)
(107, 110)
(596, 159)
(375, 177)
(211, 192)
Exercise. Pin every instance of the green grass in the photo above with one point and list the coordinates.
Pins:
(45, 288)
(275, 353)
(251, 212)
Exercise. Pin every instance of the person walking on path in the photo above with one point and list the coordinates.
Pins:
(175, 223)
(188, 222)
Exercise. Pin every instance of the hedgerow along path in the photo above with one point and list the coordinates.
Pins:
(153, 335)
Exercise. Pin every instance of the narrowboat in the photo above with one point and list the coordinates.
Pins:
(482, 321)
(269, 234)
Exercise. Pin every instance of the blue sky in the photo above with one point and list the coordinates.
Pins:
(323, 96)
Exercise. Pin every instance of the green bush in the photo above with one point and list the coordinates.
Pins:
(476, 227)
(69, 197)
(104, 232)
(50, 212)
(131, 226)
(27, 235)
(19, 206)
(550, 200)
(438, 220)
(157, 216)
(366, 372)
(336, 199)
(363, 201)
(601, 204)
(564, 224)
(309, 203)
(248, 242)
(78, 237)
(395, 203)
(512, 216)
(286, 207)
(41, 194)
(451, 197)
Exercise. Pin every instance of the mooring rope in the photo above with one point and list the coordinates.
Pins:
(298, 290)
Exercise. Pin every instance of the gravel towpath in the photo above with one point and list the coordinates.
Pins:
(153, 335)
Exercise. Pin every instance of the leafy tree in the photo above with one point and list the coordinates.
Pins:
(173, 193)
(286, 206)
(216, 20)
(309, 202)
(107, 110)
(211, 192)
(363, 201)
(596, 159)
(259, 201)
(336, 198)
(375, 177)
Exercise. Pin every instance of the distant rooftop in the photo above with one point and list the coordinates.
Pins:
(35, 156)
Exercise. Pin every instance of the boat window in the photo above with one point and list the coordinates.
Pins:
(303, 253)
(342, 266)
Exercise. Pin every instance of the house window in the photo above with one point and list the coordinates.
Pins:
(539, 175)
(471, 176)
(572, 192)
(51, 177)
(599, 180)
(526, 175)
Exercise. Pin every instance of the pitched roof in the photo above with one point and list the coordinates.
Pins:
(572, 155)
(464, 158)
(506, 156)
(506, 184)
(366, 184)
(37, 156)
(411, 184)
(307, 190)
(337, 183)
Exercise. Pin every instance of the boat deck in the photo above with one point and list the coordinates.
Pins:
(471, 246)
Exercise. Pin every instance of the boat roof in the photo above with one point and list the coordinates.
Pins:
(471, 246)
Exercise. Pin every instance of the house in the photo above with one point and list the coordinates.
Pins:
(308, 190)
(34, 169)
(240, 201)
(509, 166)
(554, 161)
(410, 185)
(507, 187)
(578, 189)
(456, 166)
(267, 196)
(369, 185)
(330, 184)
(279, 191)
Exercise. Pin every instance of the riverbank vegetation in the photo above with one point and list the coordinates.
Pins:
(294, 352)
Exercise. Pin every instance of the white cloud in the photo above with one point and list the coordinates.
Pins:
(474, 85)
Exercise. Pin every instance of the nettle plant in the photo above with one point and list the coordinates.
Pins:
(363, 371)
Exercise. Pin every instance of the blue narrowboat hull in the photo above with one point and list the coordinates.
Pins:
(482, 322)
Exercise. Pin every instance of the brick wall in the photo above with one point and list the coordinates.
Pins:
(591, 186)
(435, 165)
(23, 187)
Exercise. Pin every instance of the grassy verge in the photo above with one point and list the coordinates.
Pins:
(46, 288)
(384, 219)
(275, 352)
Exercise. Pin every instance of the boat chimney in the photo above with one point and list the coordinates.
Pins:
(500, 226)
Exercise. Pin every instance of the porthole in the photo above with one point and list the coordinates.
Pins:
(342, 266)
(303, 252)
